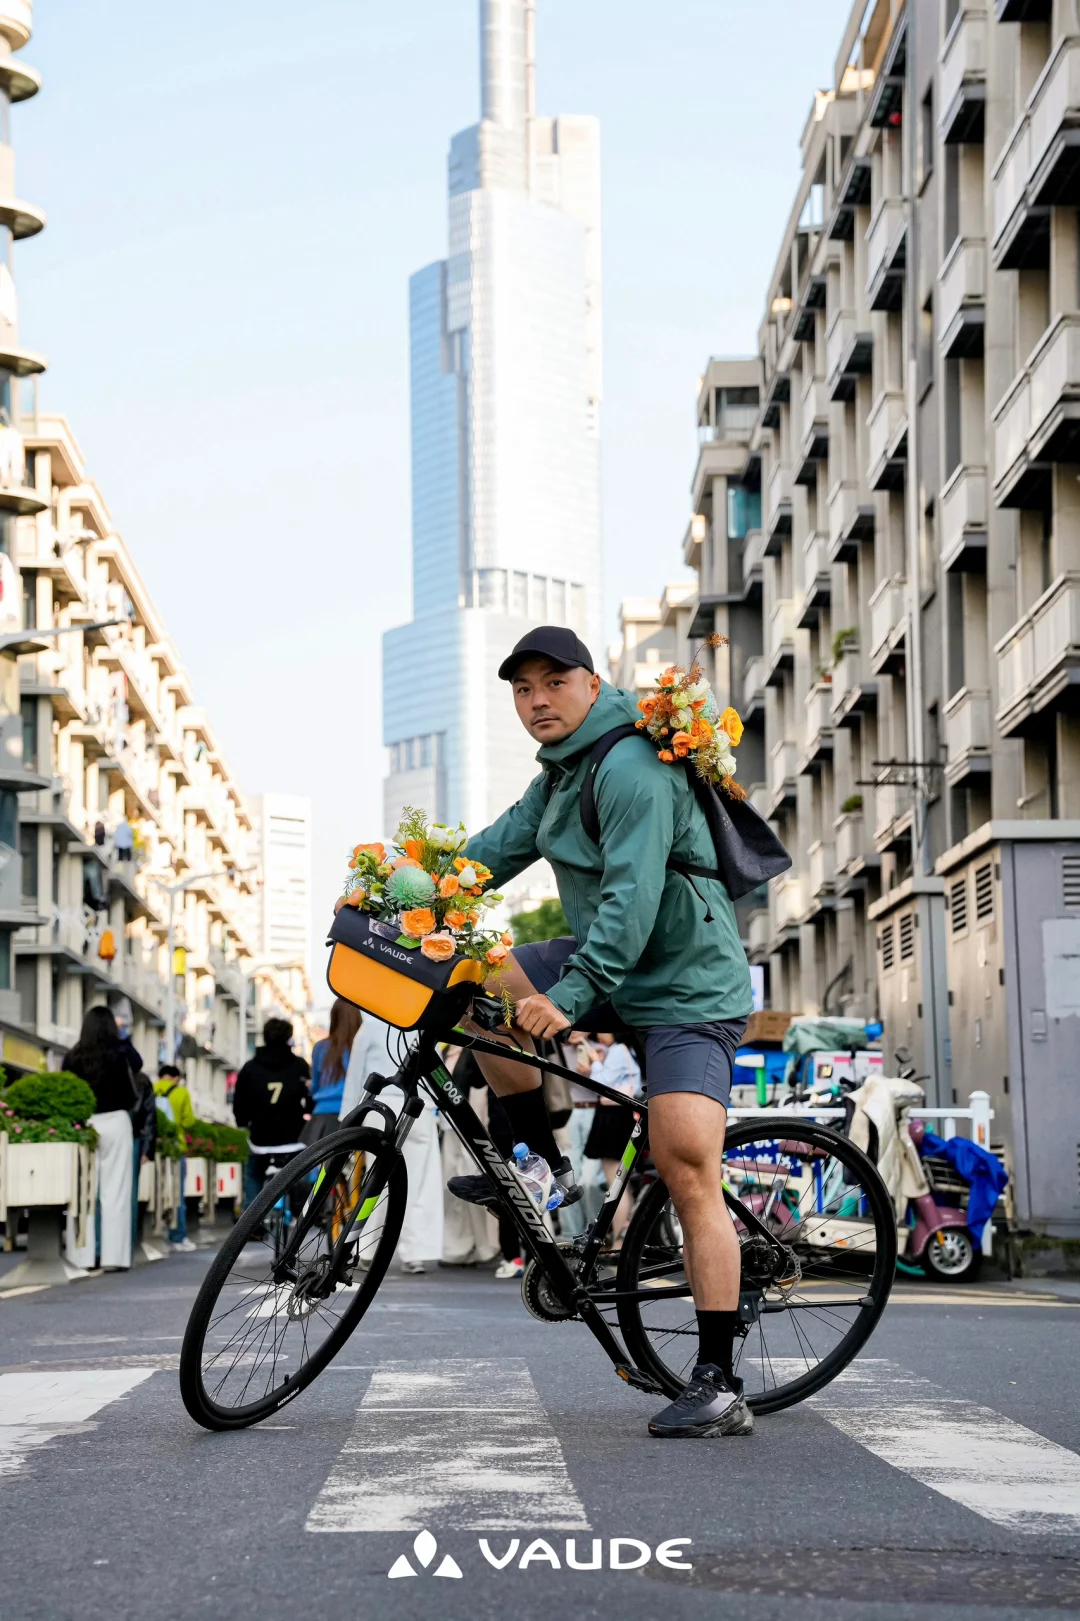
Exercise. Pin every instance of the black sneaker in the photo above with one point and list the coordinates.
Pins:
(478, 1190)
(708, 1406)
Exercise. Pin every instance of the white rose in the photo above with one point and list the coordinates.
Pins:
(684, 718)
(699, 690)
(490, 900)
(723, 741)
(460, 838)
(467, 877)
(727, 764)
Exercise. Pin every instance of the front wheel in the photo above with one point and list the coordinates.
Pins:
(293, 1279)
(811, 1291)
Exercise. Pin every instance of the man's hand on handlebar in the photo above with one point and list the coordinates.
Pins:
(538, 1016)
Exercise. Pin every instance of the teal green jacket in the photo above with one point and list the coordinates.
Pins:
(643, 942)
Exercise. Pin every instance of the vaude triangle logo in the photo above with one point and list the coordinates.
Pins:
(424, 1550)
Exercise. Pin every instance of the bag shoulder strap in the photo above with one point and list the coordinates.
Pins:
(590, 816)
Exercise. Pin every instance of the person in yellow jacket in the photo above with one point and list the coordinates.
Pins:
(174, 1100)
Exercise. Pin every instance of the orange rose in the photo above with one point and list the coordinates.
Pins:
(682, 743)
(418, 922)
(357, 898)
(377, 850)
(472, 917)
(448, 886)
(439, 947)
(497, 955)
(668, 677)
(404, 861)
(702, 730)
(508, 938)
(456, 920)
(732, 725)
(648, 708)
(414, 849)
(666, 755)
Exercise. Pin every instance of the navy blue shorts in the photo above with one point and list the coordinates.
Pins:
(678, 1057)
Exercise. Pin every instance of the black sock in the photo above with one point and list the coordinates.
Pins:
(528, 1117)
(716, 1338)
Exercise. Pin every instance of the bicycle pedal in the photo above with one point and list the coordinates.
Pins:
(639, 1380)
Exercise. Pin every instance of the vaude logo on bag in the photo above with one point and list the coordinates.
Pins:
(614, 1553)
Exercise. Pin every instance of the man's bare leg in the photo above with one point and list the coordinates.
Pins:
(686, 1136)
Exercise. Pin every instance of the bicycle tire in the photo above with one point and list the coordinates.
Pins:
(650, 1213)
(200, 1404)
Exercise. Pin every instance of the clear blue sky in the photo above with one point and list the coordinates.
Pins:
(237, 195)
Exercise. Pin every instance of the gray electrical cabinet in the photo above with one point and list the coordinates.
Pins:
(1012, 900)
(909, 947)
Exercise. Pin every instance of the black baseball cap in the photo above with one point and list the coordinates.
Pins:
(554, 642)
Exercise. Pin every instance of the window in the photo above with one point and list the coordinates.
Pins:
(29, 733)
(952, 416)
(28, 850)
(984, 891)
(743, 511)
(926, 138)
(736, 411)
(558, 602)
(9, 819)
(520, 596)
(952, 196)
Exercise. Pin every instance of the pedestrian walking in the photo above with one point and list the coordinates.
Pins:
(272, 1102)
(172, 1097)
(99, 1059)
(124, 839)
(329, 1067)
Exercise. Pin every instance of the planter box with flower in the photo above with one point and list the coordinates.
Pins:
(48, 1149)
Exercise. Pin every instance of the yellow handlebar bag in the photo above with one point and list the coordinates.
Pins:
(397, 983)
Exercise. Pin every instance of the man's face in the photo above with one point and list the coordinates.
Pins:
(551, 701)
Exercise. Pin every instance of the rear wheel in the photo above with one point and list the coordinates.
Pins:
(811, 1291)
(951, 1257)
(283, 1293)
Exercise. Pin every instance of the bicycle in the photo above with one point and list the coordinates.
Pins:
(816, 1227)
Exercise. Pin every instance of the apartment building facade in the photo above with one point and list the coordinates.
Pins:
(917, 452)
(128, 874)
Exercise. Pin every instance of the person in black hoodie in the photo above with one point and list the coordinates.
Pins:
(272, 1101)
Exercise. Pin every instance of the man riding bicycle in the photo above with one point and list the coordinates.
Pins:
(652, 951)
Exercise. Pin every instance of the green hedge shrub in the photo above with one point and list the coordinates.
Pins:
(51, 1096)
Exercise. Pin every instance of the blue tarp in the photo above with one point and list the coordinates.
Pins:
(978, 1167)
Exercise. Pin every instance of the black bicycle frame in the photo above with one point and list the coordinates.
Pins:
(574, 1289)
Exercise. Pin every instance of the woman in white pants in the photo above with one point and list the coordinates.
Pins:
(108, 1065)
(422, 1230)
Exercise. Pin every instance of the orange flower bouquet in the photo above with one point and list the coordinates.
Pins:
(684, 720)
(425, 893)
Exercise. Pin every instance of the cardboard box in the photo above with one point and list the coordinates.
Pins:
(767, 1026)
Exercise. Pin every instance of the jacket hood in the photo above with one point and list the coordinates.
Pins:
(275, 1057)
(613, 707)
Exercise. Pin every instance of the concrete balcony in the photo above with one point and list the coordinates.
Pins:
(887, 432)
(848, 355)
(1039, 658)
(783, 768)
(17, 493)
(848, 828)
(962, 522)
(817, 582)
(753, 693)
(851, 519)
(853, 693)
(822, 869)
(892, 815)
(787, 903)
(780, 642)
(1040, 167)
(16, 22)
(814, 443)
(758, 795)
(968, 735)
(819, 729)
(888, 625)
(1038, 421)
(752, 571)
(961, 306)
(777, 508)
(886, 254)
(962, 79)
(758, 933)
(1021, 231)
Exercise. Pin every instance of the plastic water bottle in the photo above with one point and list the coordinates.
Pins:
(536, 1174)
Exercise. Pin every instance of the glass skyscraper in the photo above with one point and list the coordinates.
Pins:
(505, 390)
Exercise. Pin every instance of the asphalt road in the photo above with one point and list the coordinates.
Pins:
(943, 1479)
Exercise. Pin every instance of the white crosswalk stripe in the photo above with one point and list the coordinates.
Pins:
(967, 1452)
(36, 1407)
(458, 1444)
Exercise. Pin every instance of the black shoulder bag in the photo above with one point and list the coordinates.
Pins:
(748, 852)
